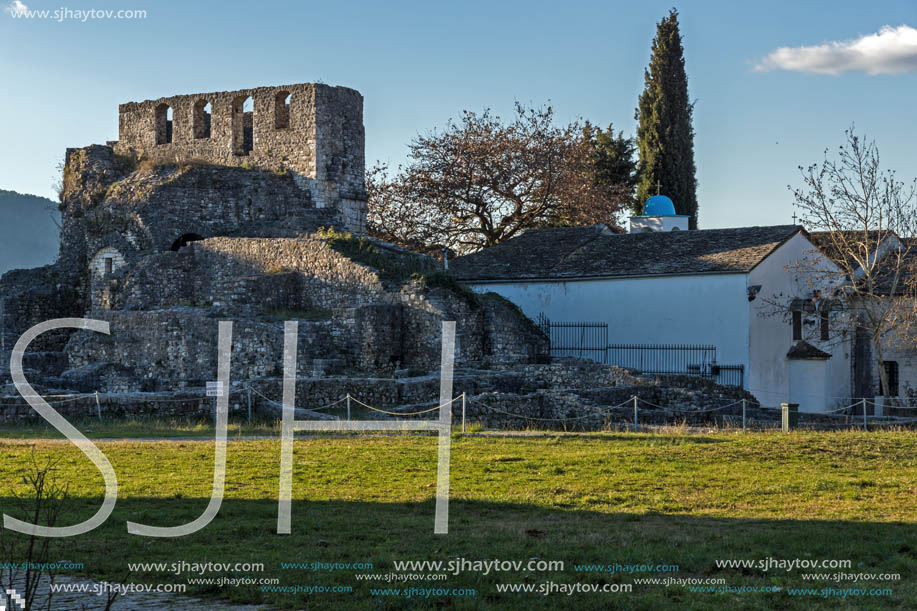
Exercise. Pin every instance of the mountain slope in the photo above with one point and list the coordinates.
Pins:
(28, 231)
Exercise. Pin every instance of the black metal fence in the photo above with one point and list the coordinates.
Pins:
(586, 340)
(589, 340)
(677, 359)
(730, 375)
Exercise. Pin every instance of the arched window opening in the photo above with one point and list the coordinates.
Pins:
(106, 261)
(242, 125)
(282, 110)
(184, 240)
(676, 229)
(202, 121)
(163, 120)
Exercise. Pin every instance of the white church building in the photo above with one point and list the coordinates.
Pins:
(662, 284)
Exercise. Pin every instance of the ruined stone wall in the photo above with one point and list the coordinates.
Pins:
(372, 328)
(318, 137)
(32, 296)
(113, 202)
(173, 349)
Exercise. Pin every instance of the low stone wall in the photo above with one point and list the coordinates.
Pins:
(160, 347)
(235, 275)
(116, 406)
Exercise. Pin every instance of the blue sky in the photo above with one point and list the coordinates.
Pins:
(420, 63)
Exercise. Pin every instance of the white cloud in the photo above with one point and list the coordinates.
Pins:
(889, 51)
(16, 6)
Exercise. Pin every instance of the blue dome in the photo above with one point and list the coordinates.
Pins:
(659, 205)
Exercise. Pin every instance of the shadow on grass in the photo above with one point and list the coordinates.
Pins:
(379, 534)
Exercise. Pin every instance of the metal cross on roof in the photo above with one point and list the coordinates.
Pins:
(794, 218)
(658, 186)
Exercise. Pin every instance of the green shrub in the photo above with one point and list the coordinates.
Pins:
(441, 280)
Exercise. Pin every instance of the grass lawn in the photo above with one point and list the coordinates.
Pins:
(141, 429)
(159, 428)
(673, 499)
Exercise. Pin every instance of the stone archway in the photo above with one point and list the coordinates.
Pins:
(185, 239)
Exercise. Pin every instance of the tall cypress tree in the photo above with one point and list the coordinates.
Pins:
(665, 136)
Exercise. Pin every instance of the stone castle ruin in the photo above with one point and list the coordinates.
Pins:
(313, 131)
(204, 210)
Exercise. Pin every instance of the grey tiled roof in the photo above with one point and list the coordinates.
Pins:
(595, 251)
(886, 269)
(851, 239)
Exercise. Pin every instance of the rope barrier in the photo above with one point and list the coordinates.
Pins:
(687, 410)
(890, 405)
(598, 410)
(426, 411)
(355, 400)
(277, 404)
(62, 401)
(628, 402)
(150, 400)
(500, 411)
(834, 411)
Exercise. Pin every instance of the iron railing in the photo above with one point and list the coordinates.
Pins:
(730, 375)
(678, 359)
(589, 340)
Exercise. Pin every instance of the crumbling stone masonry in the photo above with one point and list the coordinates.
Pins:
(313, 131)
(177, 226)
(203, 211)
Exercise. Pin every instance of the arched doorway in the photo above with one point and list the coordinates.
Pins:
(163, 121)
(202, 119)
(242, 125)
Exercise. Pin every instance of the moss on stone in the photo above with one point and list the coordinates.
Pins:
(441, 280)
(390, 267)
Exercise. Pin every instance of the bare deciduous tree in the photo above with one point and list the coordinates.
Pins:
(483, 181)
(864, 219)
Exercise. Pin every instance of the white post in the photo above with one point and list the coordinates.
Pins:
(864, 415)
(636, 425)
(348, 407)
(463, 412)
(98, 407)
(743, 415)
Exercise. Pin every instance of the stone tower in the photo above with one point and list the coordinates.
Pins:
(312, 131)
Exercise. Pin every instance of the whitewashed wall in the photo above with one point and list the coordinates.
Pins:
(771, 332)
(698, 309)
(707, 309)
(899, 345)
(808, 385)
